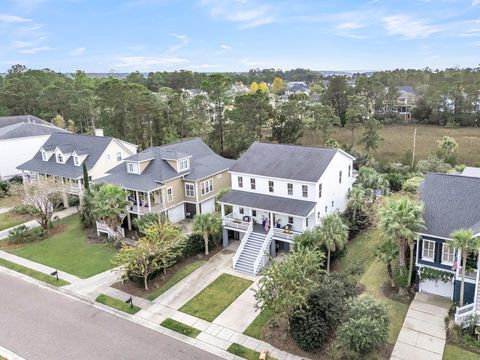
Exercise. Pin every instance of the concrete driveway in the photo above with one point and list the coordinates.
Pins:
(423, 333)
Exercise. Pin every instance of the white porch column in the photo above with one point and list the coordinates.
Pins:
(138, 202)
(149, 202)
(222, 210)
(270, 214)
(459, 263)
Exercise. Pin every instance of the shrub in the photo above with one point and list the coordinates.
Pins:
(363, 219)
(73, 200)
(311, 327)
(18, 234)
(366, 327)
(4, 187)
(22, 209)
(411, 185)
(196, 245)
(395, 180)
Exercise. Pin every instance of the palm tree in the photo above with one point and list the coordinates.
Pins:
(109, 204)
(356, 200)
(463, 239)
(206, 225)
(333, 234)
(400, 219)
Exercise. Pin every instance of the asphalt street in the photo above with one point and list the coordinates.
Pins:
(37, 323)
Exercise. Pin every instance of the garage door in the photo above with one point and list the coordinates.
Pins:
(177, 213)
(437, 288)
(208, 206)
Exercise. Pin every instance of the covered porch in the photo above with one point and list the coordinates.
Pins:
(143, 202)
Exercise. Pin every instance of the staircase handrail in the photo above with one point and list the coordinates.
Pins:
(261, 254)
(463, 313)
(242, 244)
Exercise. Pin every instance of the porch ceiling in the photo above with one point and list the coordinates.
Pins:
(268, 202)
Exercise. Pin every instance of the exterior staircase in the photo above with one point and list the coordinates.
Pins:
(249, 253)
(111, 233)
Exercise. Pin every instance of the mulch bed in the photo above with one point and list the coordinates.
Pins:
(392, 293)
(57, 229)
(137, 289)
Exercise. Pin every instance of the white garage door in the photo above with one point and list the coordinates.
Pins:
(437, 287)
(177, 213)
(208, 206)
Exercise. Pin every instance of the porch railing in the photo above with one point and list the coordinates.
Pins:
(234, 223)
(102, 227)
(463, 313)
(260, 260)
(144, 209)
(285, 234)
(242, 244)
(71, 189)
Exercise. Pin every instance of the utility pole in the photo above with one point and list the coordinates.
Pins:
(414, 143)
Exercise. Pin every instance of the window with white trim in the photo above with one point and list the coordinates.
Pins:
(169, 194)
(349, 170)
(76, 161)
(132, 168)
(44, 155)
(189, 190)
(60, 159)
(253, 185)
(207, 186)
(304, 190)
(119, 156)
(290, 219)
(241, 211)
(340, 177)
(240, 182)
(183, 165)
(320, 190)
(428, 250)
(270, 186)
(290, 189)
(448, 253)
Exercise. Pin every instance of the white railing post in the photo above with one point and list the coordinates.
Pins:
(242, 244)
(261, 255)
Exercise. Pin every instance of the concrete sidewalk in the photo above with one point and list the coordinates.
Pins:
(96, 284)
(5, 209)
(33, 224)
(423, 333)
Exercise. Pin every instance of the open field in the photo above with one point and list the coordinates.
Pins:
(399, 138)
(69, 251)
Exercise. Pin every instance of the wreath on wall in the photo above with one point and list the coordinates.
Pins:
(427, 273)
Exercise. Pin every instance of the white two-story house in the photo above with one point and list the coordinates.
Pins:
(279, 191)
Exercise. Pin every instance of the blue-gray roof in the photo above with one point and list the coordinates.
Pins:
(451, 202)
(268, 202)
(94, 146)
(303, 163)
(204, 162)
(24, 126)
(407, 88)
(17, 119)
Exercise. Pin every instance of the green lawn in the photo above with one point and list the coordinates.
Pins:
(216, 297)
(117, 304)
(453, 352)
(179, 275)
(244, 352)
(33, 273)
(69, 251)
(10, 219)
(256, 326)
(180, 327)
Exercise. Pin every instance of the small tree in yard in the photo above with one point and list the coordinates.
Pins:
(387, 253)
(356, 200)
(207, 225)
(285, 285)
(109, 204)
(463, 240)
(334, 234)
(37, 196)
(366, 326)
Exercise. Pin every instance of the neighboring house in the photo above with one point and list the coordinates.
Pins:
(279, 191)
(405, 101)
(20, 138)
(239, 88)
(191, 93)
(178, 180)
(297, 87)
(451, 202)
(471, 171)
(62, 157)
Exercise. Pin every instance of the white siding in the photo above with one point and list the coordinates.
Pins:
(106, 162)
(14, 152)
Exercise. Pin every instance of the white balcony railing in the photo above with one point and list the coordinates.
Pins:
(463, 314)
(285, 234)
(260, 261)
(238, 224)
(242, 244)
(144, 209)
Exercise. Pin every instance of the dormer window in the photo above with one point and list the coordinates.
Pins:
(76, 160)
(60, 159)
(183, 165)
(132, 168)
(44, 155)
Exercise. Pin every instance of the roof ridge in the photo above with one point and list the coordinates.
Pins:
(298, 145)
(453, 175)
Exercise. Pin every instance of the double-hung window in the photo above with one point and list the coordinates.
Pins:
(189, 190)
(304, 190)
(75, 160)
(428, 250)
(119, 156)
(183, 165)
(240, 182)
(340, 177)
(132, 168)
(448, 253)
(290, 189)
(270, 186)
(169, 194)
(207, 187)
(253, 186)
(319, 190)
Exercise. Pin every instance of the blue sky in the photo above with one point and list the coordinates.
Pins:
(236, 35)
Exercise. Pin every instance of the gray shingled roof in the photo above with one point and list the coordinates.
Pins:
(203, 163)
(268, 202)
(452, 202)
(25, 129)
(94, 146)
(17, 119)
(407, 88)
(283, 161)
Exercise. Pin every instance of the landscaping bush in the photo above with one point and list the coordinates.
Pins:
(196, 245)
(395, 180)
(22, 209)
(311, 327)
(73, 200)
(4, 187)
(411, 185)
(363, 219)
(366, 326)
(22, 234)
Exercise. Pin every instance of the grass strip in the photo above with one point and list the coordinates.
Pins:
(177, 277)
(256, 326)
(216, 297)
(117, 304)
(33, 273)
(244, 352)
(180, 327)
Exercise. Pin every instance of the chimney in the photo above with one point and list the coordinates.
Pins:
(98, 132)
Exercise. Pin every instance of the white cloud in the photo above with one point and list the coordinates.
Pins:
(475, 2)
(350, 25)
(34, 50)
(205, 66)
(78, 51)
(142, 62)
(12, 19)
(226, 47)
(408, 27)
(184, 41)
